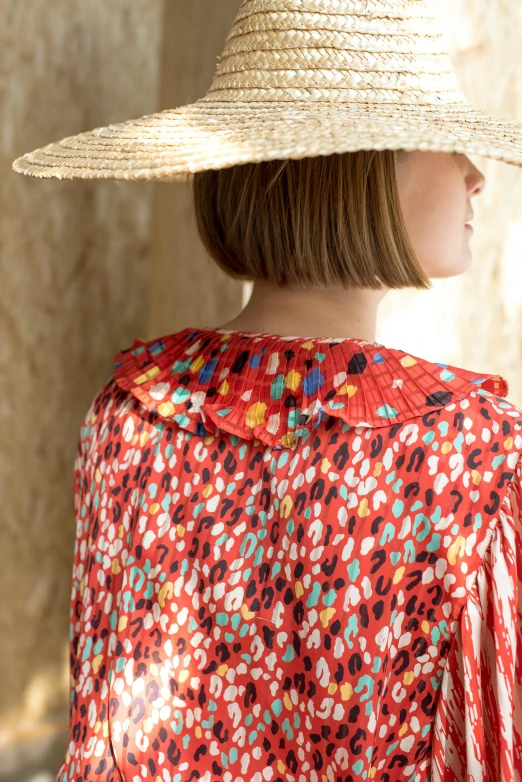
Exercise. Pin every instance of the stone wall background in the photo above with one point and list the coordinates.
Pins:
(87, 266)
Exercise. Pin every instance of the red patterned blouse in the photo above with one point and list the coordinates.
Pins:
(296, 560)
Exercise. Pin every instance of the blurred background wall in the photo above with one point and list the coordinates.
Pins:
(87, 266)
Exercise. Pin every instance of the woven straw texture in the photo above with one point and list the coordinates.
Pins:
(299, 78)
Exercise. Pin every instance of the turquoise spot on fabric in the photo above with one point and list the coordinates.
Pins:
(428, 437)
(283, 458)
(233, 754)
(182, 419)
(221, 618)
(417, 506)
(181, 394)
(248, 545)
(354, 569)
(267, 717)
(343, 492)
(290, 526)
(208, 723)
(169, 450)
(478, 522)
(252, 736)
(120, 664)
(275, 569)
(377, 662)
(277, 387)
(165, 503)
(224, 411)
(180, 367)
(313, 382)
(152, 489)
(392, 747)
(212, 706)
(455, 529)
(421, 520)
(262, 517)
(434, 544)
(277, 707)
(388, 534)
(235, 621)
(113, 620)
(446, 375)
(258, 559)
(244, 629)
(98, 646)
(193, 625)
(247, 573)
(289, 654)
(229, 637)
(224, 760)
(386, 411)
(222, 539)
(458, 442)
(497, 460)
(329, 597)
(358, 767)
(398, 508)
(293, 416)
(352, 628)
(313, 597)
(149, 592)
(287, 728)
(308, 512)
(248, 720)
(395, 557)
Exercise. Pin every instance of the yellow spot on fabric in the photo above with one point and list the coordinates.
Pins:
(134, 439)
(299, 591)
(149, 375)
(292, 379)
(425, 626)
(372, 772)
(325, 465)
(346, 691)
(377, 469)
(399, 573)
(97, 661)
(148, 724)
(347, 389)
(332, 688)
(165, 592)
(207, 490)
(508, 443)
(222, 669)
(105, 730)
(256, 414)
(476, 477)
(446, 447)
(409, 676)
(97, 726)
(287, 701)
(122, 622)
(180, 530)
(98, 475)
(363, 507)
(245, 613)
(144, 436)
(166, 409)
(115, 567)
(285, 507)
(154, 508)
(456, 549)
(183, 675)
(281, 766)
(121, 531)
(408, 361)
(223, 388)
(153, 668)
(403, 729)
(308, 345)
(326, 615)
(197, 364)
(198, 731)
(288, 439)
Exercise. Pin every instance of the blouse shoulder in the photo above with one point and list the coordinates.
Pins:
(478, 723)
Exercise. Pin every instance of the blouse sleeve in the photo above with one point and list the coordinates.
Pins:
(478, 723)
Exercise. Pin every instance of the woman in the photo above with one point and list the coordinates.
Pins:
(298, 550)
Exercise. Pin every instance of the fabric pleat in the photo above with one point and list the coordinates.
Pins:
(478, 725)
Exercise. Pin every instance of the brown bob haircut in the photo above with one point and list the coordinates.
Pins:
(320, 221)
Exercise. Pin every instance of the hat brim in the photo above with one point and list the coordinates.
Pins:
(172, 145)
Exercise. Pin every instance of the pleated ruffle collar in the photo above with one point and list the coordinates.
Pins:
(279, 389)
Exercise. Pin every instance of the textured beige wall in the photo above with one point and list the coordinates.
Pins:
(186, 287)
(73, 270)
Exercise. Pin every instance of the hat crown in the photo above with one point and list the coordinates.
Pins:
(389, 51)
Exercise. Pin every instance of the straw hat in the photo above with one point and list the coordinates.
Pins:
(299, 78)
